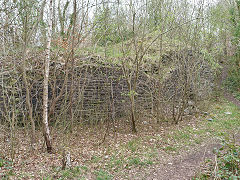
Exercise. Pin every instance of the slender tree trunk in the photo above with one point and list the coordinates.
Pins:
(46, 130)
(28, 98)
(72, 57)
(133, 116)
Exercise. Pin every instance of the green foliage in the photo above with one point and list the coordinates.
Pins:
(170, 149)
(229, 161)
(68, 173)
(116, 163)
(107, 31)
(132, 145)
(103, 175)
(136, 161)
(7, 165)
(71, 173)
(233, 81)
(1, 163)
(155, 15)
(227, 165)
(95, 159)
(234, 17)
(213, 62)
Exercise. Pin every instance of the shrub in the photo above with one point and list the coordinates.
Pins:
(226, 165)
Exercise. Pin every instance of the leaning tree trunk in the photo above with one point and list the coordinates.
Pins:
(46, 131)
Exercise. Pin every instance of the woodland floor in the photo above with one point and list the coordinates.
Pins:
(157, 151)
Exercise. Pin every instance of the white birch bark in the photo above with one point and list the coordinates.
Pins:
(45, 83)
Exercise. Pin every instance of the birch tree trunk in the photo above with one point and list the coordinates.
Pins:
(46, 131)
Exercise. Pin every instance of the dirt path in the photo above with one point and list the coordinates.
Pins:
(184, 167)
(181, 168)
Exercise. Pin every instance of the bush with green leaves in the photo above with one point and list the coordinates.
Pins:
(234, 73)
(226, 165)
(7, 166)
(228, 161)
(233, 81)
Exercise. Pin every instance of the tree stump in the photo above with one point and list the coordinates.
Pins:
(66, 160)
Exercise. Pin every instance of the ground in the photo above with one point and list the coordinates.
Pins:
(157, 151)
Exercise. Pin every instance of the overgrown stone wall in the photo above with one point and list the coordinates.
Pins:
(100, 89)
